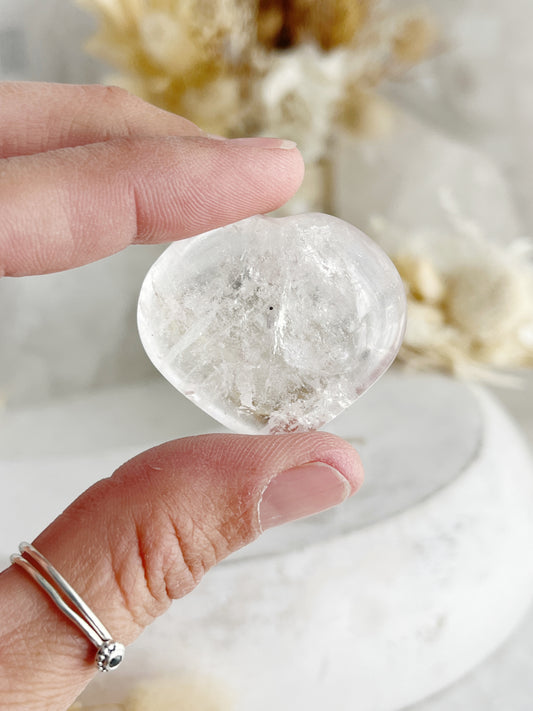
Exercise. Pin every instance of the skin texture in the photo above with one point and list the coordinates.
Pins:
(128, 180)
(84, 172)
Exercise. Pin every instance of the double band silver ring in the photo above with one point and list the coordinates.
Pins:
(109, 653)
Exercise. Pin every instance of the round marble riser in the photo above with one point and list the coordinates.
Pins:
(372, 606)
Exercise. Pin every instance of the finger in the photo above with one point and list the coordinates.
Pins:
(37, 117)
(147, 535)
(65, 208)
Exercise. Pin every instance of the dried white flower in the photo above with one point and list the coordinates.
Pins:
(186, 693)
(221, 62)
(299, 96)
(470, 302)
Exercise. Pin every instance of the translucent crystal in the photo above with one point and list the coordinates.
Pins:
(273, 324)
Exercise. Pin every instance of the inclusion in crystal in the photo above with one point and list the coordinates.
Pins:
(273, 325)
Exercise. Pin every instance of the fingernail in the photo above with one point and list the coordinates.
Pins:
(300, 492)
(256, 142)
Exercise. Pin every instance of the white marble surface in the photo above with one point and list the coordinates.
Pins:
(504, 681)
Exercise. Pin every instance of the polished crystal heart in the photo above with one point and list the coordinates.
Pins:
(273, 324)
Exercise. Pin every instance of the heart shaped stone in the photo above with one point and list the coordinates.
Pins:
(273, 325)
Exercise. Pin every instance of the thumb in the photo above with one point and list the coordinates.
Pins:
(146, 535)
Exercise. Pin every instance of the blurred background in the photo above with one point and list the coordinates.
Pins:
(415, 122)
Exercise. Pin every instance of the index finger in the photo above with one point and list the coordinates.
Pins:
(68, 207)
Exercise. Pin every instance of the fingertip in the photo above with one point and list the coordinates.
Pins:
(318, 471)
(203, 183)
(349, 464)
(263, 172)
(297, 170)
(336, 452)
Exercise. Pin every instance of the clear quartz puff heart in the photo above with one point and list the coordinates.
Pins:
(273, 325)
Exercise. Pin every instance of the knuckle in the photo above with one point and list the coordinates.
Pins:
(110, 95)
(196, 549)
(112, 107)
(137, 570)
(167, 560)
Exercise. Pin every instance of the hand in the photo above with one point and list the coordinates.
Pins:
(84, 172)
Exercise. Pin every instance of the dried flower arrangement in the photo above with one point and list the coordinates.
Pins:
(187, 693)
(293, 68)
(470, 303)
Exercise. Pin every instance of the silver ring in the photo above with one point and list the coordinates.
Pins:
(109, 653)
